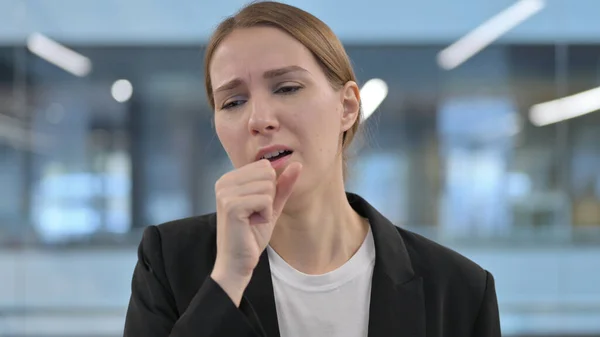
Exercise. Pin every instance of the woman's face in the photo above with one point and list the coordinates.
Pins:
(271, 94)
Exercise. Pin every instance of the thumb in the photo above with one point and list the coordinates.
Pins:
(285, 186)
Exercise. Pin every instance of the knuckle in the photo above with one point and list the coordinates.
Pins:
(255, 163)
(267, 200)
(271, 174)
(219, 194)
(221, 184)
(222, 196)
(222, 202)
(228, 204)
(266, 186)
(271, 188)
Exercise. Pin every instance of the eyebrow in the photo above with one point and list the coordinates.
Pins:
(282, 71)
(266, 75)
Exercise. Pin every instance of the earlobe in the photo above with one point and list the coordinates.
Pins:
(350, 104)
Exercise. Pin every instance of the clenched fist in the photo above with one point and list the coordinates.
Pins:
(249, 202)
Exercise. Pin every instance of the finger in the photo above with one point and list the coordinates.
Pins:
(245, 207)
(285, 186)
(259, 170)
(250, 188)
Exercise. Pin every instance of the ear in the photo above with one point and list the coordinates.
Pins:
(350, 95)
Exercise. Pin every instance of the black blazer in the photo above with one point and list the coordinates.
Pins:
(419, 289)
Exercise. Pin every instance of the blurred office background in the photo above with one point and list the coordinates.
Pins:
(105, 129)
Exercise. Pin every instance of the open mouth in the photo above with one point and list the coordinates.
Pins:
(277, 155)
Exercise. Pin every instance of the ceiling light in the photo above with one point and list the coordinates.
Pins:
(482, 36)
(372, 94)
(565, 108)
(59, 55)
(121, 90)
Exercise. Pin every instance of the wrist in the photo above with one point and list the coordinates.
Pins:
(233, 285)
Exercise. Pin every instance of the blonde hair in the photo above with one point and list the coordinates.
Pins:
(313, 33)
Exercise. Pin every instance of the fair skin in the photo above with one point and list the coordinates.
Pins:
(299, 208)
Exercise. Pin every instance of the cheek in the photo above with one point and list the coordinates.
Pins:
(224, 132)
(317, 125)
(230, 137)
(325, 122)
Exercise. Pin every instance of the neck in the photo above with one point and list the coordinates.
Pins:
(320, 231)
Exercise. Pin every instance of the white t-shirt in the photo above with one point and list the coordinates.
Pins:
(335, 304)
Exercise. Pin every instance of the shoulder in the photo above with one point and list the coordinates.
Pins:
(189, 231)
(444, 268)
(457, 290)
(440, 266)
(183, 243)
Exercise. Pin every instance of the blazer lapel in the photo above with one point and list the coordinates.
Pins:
(261, 296)
(396, 310)
(397, 303)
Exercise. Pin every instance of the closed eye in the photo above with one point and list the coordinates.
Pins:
(232, 104)
(286, 90)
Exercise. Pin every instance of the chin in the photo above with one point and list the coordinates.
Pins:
(301, 187)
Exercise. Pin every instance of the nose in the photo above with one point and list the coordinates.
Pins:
(263, 119)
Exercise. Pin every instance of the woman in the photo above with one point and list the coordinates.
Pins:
(289, 252)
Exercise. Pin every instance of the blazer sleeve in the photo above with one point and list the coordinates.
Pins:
(153, 312)
(487, 323)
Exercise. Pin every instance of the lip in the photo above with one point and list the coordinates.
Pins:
(263, 151)
(278, 164)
